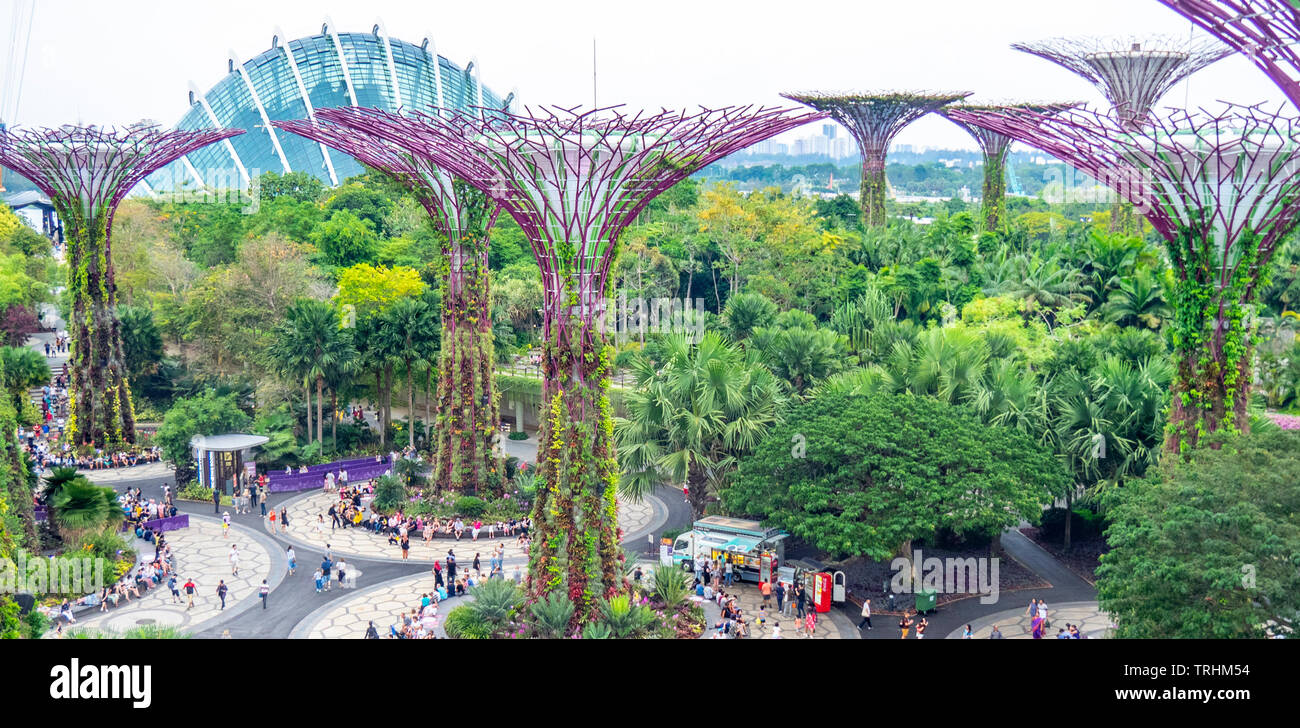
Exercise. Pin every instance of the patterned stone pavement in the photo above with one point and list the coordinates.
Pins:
(1015, 623)
(748, 598)
(384, 604)
(362, 544)
(202, 554)
(113, 476)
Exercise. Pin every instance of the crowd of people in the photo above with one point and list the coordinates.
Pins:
(45, 443)
(147, 574)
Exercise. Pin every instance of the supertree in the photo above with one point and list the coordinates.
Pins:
(874, 120)
(1267, 31)
(1222, 189)
(467, 411)
(1132, 73)
(573, 180)
(995, 146)
(86, 171)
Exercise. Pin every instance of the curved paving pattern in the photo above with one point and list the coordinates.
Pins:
(383, 604)
(361, 544)
(203, 555)
(1015, 623)
(113, 476)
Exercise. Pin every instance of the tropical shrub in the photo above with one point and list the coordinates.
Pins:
(470, 507)
(390, 494)
(551, 615)
(464, 623)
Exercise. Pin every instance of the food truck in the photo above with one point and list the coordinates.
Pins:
(755, 552)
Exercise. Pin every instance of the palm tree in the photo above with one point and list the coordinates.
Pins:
(692, 415)
(745, 312)
(323, 349)
(801, 356)
(82, 508)
(1139, 301)
(859, 319)
(410, 322)
(948, 363)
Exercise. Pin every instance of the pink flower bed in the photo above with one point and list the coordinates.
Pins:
(1286, 422)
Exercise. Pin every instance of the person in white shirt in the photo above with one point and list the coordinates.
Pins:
(234, 560)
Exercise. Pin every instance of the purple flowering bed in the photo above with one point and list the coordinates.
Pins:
(1286, 422)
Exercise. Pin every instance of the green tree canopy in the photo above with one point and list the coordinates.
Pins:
(1208, 547)
(866, 474)
(205, 414)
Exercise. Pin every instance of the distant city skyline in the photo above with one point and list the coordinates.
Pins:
(109, 63)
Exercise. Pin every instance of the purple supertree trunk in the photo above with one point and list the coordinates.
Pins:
(573, 180)
(464, 427)
(87, 171)
(1222, 190)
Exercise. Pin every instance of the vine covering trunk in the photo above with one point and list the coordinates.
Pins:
(100, 398)
(467, 411)
(873, 191)
(1212, 348)
(575, 518)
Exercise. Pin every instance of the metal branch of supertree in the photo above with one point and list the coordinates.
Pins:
(1196, 176)
(1266, 31)
(875, 118)
(97, 166)
(434, 188)
(574, 179)
(1133, 72)
(995, 145)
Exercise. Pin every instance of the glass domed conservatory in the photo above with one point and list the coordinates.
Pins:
(293, 79)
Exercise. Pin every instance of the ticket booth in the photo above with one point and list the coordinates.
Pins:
(221, 459)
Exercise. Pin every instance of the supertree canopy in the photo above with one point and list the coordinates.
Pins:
(1267, 31)
(1222, 190)
(994, 145)
(874, 119)
(1132, 73)
(573, 180)
(86, 171)
(465, 423)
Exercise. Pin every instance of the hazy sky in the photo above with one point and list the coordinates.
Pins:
(118, 62)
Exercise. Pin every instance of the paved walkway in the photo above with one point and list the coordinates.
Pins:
(1014, 624)
(304, 530)
(1066, 588)
(832, 625)
(202, 553)
(384, 604)
(114, 476)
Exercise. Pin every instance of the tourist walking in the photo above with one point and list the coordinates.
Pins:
(866, 614)
(284, 520)
(216, 501)
(234, 560)
(189, 593)
(263, 591)
(325, 567)
(222, 590)
(225, 525)
(996, 634)
(292, 558)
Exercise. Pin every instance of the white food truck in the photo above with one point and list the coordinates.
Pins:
(755, 552)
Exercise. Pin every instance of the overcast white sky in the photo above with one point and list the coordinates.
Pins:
(118, 62)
